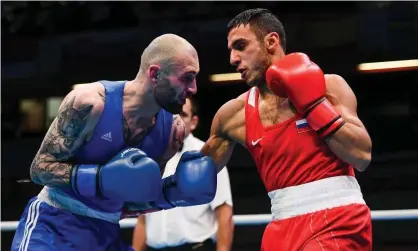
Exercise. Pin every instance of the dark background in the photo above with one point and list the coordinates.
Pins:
(48, 47)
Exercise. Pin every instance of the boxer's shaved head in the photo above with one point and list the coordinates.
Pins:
(171, 64)
(168, 51)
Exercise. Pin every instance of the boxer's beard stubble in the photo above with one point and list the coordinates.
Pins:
(166, 96)
(261, 70)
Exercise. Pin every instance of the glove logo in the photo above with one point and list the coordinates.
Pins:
(302, 126)
(127, 151)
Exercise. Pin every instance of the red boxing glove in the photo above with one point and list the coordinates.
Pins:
(297, 77)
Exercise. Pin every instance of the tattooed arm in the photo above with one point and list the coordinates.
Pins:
(78, 115)
(178, 133)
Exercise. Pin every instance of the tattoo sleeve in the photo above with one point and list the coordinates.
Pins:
(51, 165)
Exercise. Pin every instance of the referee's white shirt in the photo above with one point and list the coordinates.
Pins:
(177, 226)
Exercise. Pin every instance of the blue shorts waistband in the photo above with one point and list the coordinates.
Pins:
(58, 199)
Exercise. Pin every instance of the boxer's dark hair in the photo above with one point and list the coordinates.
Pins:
(262, 22)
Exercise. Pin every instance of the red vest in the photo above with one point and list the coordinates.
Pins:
(288, 153)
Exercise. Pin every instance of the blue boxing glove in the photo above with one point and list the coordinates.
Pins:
(194, 182)
(130, 176)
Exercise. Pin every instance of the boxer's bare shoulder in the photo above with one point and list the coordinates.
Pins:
(78, 115)
(337, 90)
(228, 128)
(96, 89)
(232, 118)
(340, 94)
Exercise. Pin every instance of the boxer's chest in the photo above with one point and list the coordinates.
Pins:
(279, 127)
(135, 129)
(275, 113)
(269, 114)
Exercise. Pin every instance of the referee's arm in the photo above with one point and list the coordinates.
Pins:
(223, 207)
(225, 232)
(139, 236)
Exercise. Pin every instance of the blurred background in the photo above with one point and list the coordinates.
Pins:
(48, 47)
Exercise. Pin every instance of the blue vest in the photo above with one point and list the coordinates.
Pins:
(108, 139)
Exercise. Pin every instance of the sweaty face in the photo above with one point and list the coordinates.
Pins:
(173, 88)
(248, 54)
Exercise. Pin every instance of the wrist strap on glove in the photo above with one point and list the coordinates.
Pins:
(324, 118)
(84, 180)
(167, 183)
(132, 209)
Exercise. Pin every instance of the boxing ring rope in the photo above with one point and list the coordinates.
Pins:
(261, 219)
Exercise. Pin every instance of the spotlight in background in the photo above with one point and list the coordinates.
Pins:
(389, 66)
(78, 85)
(225, 77)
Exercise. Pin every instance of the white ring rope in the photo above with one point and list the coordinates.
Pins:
(261, 219)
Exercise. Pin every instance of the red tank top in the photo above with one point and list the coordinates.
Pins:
(289, 153)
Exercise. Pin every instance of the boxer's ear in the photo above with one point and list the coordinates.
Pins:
(153, 72)
(272, 41)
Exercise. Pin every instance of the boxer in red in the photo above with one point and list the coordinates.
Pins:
(302, 130)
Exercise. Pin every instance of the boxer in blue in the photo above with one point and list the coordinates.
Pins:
(103, 156)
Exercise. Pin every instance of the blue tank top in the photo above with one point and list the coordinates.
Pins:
(108, 139)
